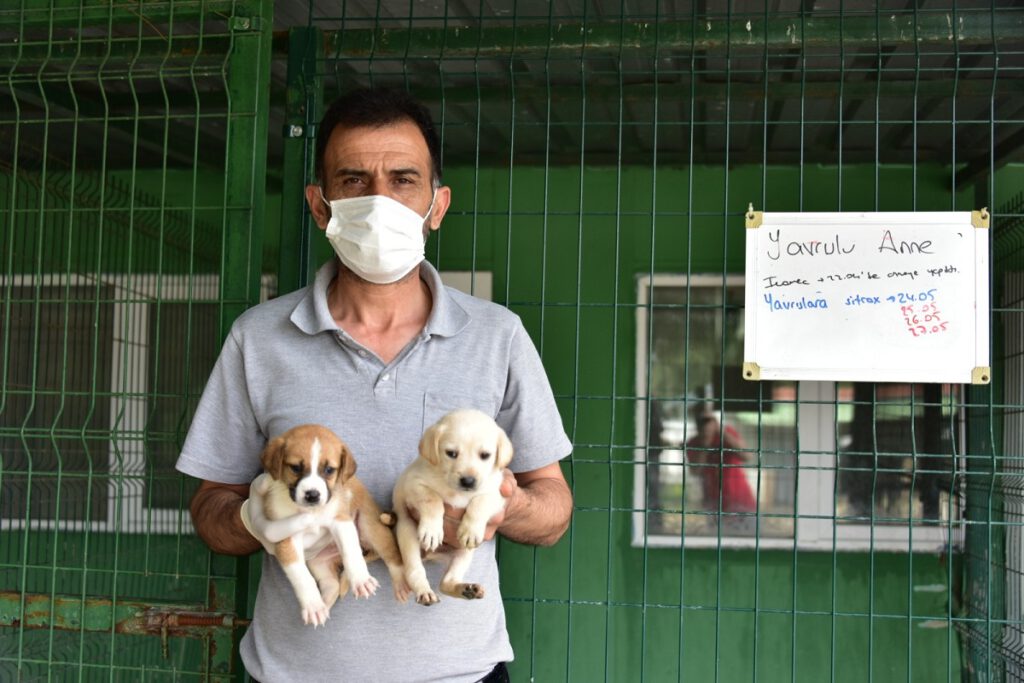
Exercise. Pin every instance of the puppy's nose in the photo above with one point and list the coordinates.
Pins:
(312, 497)
(467, 483)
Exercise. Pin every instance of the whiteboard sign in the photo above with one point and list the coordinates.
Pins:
(870, 297)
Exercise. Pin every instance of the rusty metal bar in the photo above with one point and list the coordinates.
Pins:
(126, 617)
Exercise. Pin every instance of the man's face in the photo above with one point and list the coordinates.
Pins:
(391, 160)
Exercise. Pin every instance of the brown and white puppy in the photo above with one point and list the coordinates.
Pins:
(461, 462)
(311, 470)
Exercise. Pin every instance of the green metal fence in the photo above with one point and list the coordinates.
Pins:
(601, 156)
(131, 176)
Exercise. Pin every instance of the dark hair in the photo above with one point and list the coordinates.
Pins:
(375, 108)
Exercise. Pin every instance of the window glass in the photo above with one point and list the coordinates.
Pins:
(55, 419)
(895, 445)
(720, 450)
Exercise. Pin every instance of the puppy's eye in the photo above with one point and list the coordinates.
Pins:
(328, 470)
(451, 452)
(484, 455)
(297, 469)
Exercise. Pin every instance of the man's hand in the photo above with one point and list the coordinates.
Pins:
(539, 511)
(266, 531)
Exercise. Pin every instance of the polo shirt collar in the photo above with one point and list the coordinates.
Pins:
(312, 315)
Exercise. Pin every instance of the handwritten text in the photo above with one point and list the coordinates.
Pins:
(779, 303)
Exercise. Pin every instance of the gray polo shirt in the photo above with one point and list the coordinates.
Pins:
(286, 363)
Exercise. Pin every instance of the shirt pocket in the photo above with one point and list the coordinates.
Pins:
(436, 405)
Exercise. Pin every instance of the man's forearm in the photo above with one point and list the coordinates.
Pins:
(217, 519)
(540, 514)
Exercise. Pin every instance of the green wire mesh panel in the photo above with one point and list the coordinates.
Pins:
(602, 156)
(129, 154)
(995, 636)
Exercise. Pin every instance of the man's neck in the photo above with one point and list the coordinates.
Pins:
(384, 318)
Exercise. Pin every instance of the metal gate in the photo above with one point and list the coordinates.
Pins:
(131, 198)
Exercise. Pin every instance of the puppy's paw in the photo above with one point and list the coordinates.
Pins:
(467, 591)
(400, 587)
(402, 592)
(431, 534)
(330, 594)
(315, 613)
(471, 535)
(472, 591)
(364, 587)
(342, 586)
(427, 598)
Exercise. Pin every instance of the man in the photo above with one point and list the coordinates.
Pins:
(377, 349)
(718, 454)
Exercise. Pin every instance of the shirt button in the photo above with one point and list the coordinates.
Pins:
(362, 353)
(385, 377)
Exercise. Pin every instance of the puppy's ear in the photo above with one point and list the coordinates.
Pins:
(504, 455)
(348, 464)
(273, 457)
(430, 443)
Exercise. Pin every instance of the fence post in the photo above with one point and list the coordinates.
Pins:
(245, 178)
(984, 561)
(303, 101)
(248, 76)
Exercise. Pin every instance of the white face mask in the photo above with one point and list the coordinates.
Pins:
(377, 238)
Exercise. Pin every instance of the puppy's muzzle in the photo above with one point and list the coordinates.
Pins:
(467, 483)
(307, 496)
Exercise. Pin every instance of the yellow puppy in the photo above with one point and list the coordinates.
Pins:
(462, 458)
(310, 470)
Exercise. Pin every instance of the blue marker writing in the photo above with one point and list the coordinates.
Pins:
(803, 303)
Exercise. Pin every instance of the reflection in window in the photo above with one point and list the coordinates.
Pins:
(720, 451)
(895, 446)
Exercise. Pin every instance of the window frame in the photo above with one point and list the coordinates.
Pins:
(816, 457)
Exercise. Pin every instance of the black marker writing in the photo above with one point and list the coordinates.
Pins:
(905, 247)
(807, 247)
(771, 281)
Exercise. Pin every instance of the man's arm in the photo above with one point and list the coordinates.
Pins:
(539, 506)
(216, 516)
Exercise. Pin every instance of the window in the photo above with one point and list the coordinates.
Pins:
(854, 464)
(103, 375)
